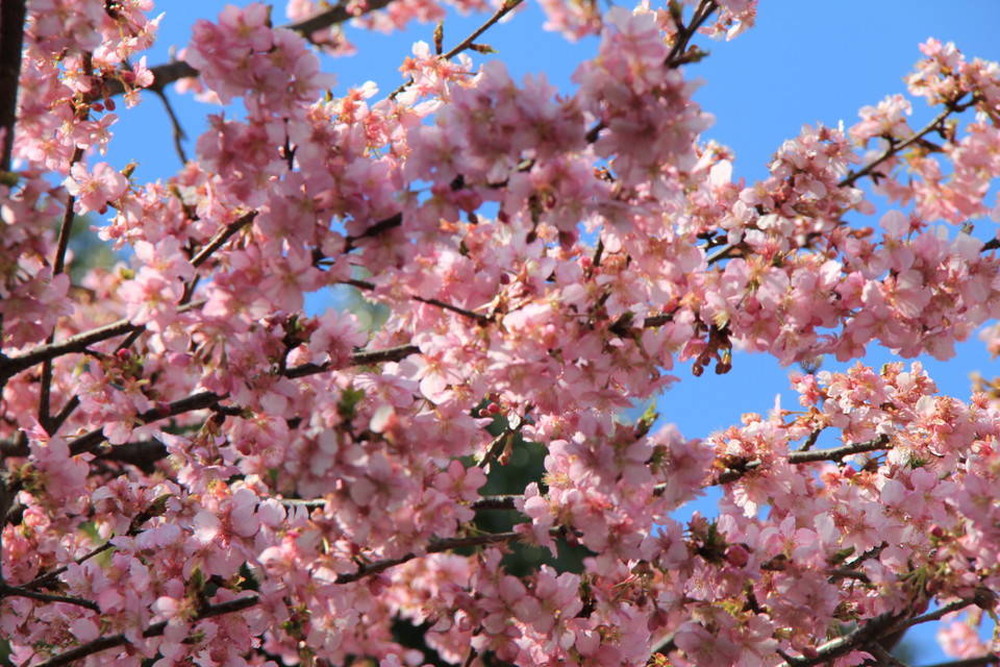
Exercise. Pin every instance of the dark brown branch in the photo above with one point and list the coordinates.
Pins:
(12, 15)
(678, 54)
(869, 632)
(478, 317)
(168, 73)
(333, 16)
(11, 366)
(49, 578)
(221, 237)
(503, 502)
(6, 590)
(154, 630)
(240, 604)
(142, 454)
(839, 453)
(892, 150)
(175, 124)
(507, 7)
(92, 440)
(18, 442)
(895, 148)
(685, 33)
(809, 456)
(873, 630)
(154, 509)
(391, 222)
(436, 546)
(58, 266)
(360, 358)
(8, 491)
(468, 42)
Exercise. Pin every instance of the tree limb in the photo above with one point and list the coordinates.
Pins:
(7, 590)
(12, 15)
(880, 626)
(168, 73)
(154, 630)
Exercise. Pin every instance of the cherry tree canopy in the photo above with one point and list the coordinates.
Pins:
(196, 471)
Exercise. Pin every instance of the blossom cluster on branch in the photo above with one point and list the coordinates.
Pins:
(193, 470)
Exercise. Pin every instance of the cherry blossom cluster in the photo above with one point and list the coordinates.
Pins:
(195, 469)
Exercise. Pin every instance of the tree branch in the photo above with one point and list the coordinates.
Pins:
(360, 358)
(333, 16)
(507, 7)
(175, 124)
(895, 148)
(478, 317)
(168, 73)
(501, 502)
(154, 630)
(239, 604)
(809, 456)
(7, 590)
(11, 366)
(435, 546)
(678, 52)
(382, 225)
(685, 33)
(880, 626)
(12, 15)
(221, 237)
(839, 453)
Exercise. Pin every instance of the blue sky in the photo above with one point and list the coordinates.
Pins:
(805, 62)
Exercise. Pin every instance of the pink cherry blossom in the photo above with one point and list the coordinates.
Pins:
(201, 466)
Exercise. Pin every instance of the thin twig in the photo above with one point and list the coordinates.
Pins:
(92, 440)
(58, 267)
(506, 8)
(684, 35)
(676, 57)
(360, 358)
(478, 317)
(175, 123)
(895, 148)
(892, 150)
(497, 445)
(48, 578)
(221, 237)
